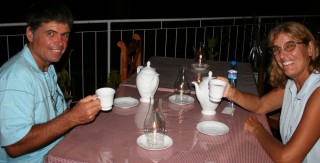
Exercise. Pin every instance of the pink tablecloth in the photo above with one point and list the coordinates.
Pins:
(112, 136)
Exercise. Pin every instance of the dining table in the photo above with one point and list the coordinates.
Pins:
(113, 136)
(168, 69)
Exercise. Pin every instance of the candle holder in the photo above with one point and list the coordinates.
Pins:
(200, 55)
(182, 87)
(155, 125)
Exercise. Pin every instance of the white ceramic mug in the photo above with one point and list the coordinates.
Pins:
(216, 89)
(105, 96)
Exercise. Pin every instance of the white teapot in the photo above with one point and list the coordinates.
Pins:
(147, 82)
(202, 93)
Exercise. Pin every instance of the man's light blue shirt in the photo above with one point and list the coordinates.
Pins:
(28, 97)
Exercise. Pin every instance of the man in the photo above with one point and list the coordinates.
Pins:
(33, 115)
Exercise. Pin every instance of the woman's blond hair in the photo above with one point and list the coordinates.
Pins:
(300, 32)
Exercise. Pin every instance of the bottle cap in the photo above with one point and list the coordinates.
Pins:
(233, 63)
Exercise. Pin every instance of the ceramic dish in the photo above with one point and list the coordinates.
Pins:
(125, 102)
(142, 142)
(200, 68)
(173, 97)
(212, 128)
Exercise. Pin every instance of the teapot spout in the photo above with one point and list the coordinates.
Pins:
(155, 78)
(196, 85)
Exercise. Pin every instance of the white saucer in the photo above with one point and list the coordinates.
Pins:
(200, 68)
(212, 128)
(142, 142)
(125, 102)
(173, 97)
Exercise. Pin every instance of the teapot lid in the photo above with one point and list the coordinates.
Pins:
(148, 68)
(209, 77)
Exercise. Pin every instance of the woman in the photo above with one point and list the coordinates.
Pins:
(294, 75)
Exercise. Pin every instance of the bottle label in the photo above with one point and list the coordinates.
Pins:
(232, 74)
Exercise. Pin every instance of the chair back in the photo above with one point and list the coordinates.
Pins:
(130, 56)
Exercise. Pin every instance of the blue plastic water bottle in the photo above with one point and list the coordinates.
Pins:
(232, 76)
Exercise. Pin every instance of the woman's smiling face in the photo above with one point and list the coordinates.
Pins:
(292, 56)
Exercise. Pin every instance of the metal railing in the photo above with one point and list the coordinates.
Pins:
(94, 42)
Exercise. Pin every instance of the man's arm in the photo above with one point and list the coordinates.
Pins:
(41, 135)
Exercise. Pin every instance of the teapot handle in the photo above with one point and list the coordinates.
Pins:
(139, 68)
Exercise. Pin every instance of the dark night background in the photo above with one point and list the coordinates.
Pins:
(15, 11)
